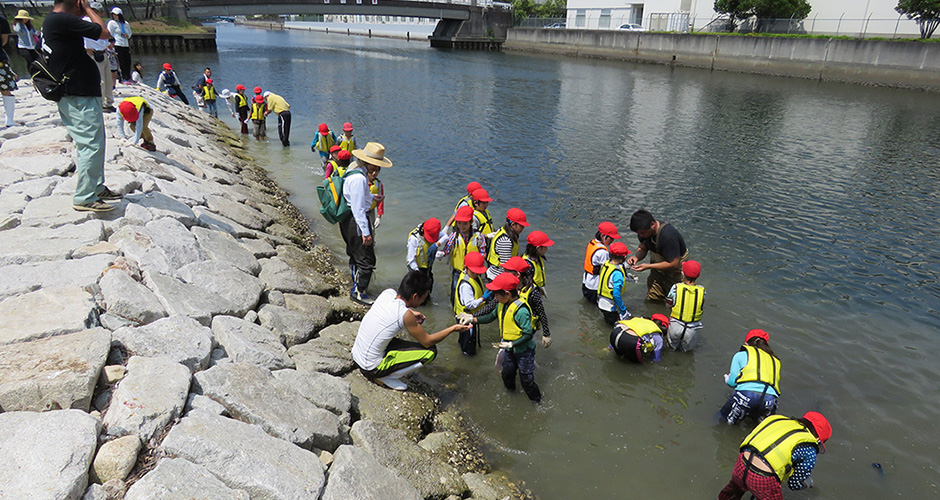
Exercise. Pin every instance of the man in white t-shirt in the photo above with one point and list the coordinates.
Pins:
(380, 355)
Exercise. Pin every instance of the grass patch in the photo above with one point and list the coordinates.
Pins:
(166, 25)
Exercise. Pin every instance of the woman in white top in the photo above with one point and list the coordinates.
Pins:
(121, 32)
(135, 75)
(25, 36)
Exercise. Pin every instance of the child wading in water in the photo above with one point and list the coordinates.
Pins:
(687, 301)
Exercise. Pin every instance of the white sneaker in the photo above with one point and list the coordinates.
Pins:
(393, 383)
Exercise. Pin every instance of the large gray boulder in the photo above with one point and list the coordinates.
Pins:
(187, 299)
(246, 342)
(278, 275)
(35, 244)
(45, 313)
(151, 395)
(252, 394)
(321, 389)
(46, 455)
(223, 247)
(15, 280)
(392, 448)
(329, 353)
(218, 222)
(239, 212)
(56, 372)
(245, 457)
(40, 165)
(180, 479)
(290, 326)
(178, 338)
(357, 475)
(124, 297)
(160, 205)
(315, 307)
(241, 289)
(163, 245)
(55, 211)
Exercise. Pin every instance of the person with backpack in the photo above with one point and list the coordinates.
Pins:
(357, 228)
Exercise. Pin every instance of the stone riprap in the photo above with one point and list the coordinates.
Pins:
(214, 314)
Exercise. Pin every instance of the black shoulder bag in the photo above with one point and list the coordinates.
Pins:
(46, 83)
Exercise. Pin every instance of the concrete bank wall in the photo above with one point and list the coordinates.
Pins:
(871, 62)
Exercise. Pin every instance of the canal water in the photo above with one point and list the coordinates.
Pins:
(811, 207)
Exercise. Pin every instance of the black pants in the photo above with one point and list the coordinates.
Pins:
(124, 62)
(283, 127)
(30, 55)
(176, 91)
(590, 295)
(242, 116)
(524, 363)
(361, 257)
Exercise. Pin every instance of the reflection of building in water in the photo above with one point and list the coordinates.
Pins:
(861, 18)
(361, 19)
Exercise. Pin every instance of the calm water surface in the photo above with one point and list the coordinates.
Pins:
(812, 208)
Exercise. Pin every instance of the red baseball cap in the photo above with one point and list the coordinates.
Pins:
(821, 426)
(517, 216)
(335, 148)
(504, 281)
(239, 87)
(209, 81)
(691, 269)
(539, 239)
(516, 263)
(662, 319)
(619, 249)
(323, 128)
(464, 214)
(757, 333)
(473, 186)
(474, 262)
(344, 155)
(257, 90)
(608, 229)
(432, 229)
(167, 66)
(347, 127)
(258, 99)
(128, 111)
(481, 195)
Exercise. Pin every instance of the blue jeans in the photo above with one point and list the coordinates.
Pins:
(211, 108)
(744, 404)
(82, 117)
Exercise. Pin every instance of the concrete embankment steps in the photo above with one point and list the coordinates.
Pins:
(192, 340)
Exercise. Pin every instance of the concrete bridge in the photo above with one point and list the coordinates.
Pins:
(464, 24)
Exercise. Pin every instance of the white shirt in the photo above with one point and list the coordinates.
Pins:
(379, 326)
(101, 45)
(465, 294)
(120, 32)
(358, 197)
(592, 281)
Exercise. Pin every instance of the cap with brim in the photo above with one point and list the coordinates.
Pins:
(481, 195)
(619, 249)
(167, 66)
(473, 186)
(23, 14)
(503, 282)
(209, 81)
(258, 99)
(691, 269)
(662, 318)
(464, 214)
(539, 239)
(757, 332)
(343, 155)
(225, 94)
(118, 11)
(474, 262)
(335, 148)
(516, 263)
(373, 153)
(821, 426)
(323, 129)
(608, 229)
(257, 90)
(128, 111)
(347, 127)
(266, 93)
(432, 229)
(239, 87)
(517, 216)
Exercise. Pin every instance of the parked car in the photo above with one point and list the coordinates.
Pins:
(631, 27)
(555, 26)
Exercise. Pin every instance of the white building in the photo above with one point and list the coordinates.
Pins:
(843, 17)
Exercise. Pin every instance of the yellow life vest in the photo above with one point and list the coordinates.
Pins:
(775, 438)
(375, 187)
(641, 326)
(605, 286)
(208, 93)
(690, 301)
(241, 101)
(525, 295)
(257, 111)
(325, 142)
(421, 258)
(538, 269)
(348, 143)
(761, 367)
(466, 200)
(492, 258)
(509, 330)
(461, 248)
(477, 293)
(592, 248)
(484, 220)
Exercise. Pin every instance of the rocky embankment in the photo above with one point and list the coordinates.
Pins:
(192, 343)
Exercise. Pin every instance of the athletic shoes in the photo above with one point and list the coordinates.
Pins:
(393, 383)
(108, 195)
(95, 206)
(360, 297)
(108, 109)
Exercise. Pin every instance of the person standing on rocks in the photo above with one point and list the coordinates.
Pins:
(380, 355)
(120, 31)
(667, 252)
(26, 37)
(97, 50)
(80, 107)
(356, 228)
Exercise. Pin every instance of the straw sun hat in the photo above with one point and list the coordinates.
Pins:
(373, 153)
(23, 14)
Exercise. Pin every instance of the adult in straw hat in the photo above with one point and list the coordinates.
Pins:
(26, 36)
(357, 229)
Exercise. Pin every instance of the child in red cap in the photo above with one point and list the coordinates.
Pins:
(469, 299)
(505, 242)
(421, 248)
(137, 112)
(322, 142)
(755, 377)
(639, 339)
(258, 117)
(613, 278)
(687, 301)
(460, 240)
(347, 142)
(595, 255)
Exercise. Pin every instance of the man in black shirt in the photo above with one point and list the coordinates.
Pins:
(80, 107)
(667, 252)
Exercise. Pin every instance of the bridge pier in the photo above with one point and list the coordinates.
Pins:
(485, 30)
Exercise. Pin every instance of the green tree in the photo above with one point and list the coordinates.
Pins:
(762, 9)
(527, 8)
(925, 12)
(737, 10)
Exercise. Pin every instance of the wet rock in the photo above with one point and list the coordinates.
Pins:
(115, 459)
(246, 342)
(35, 244)
(392, 448)
(484, 488)
(57, 372)
(150, 396)
(245, 457)
(223, 247)
(178, 338)
(343, 306)
(252, 394)
(82, 273)
(241, 289)
(259, 248)
(437, 441)
(45, 313)
(357, 475)
(129, 299)
(160, 205)
(163, 246)
(412, 410)
(189, 300)
(46, 455)
(325, 391)
(282, 231)
(180, 479)
(290, 326)
(242, 214)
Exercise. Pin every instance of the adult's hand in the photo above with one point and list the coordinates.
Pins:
(640, 267)
(367, 240)
(631, 261)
